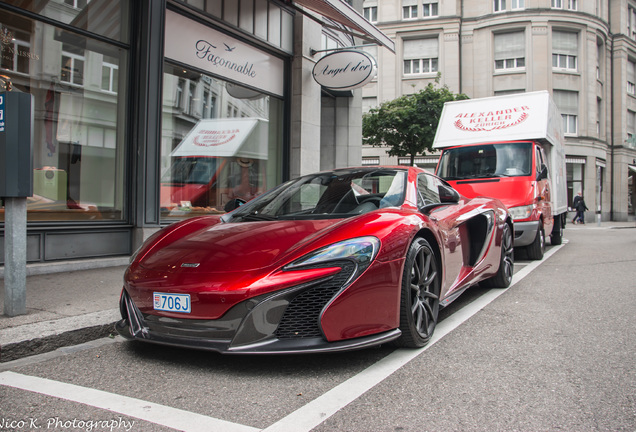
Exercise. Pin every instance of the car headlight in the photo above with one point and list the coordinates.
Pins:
(361, 251)
(521, 212)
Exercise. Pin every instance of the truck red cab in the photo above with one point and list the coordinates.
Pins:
(511, 148)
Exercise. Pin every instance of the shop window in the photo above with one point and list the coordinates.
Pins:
(231, 148)
(575, 168)
(79, 124)
(107, 18)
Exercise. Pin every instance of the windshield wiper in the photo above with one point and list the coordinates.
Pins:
(255, 216)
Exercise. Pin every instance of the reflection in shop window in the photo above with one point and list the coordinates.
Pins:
(72, 68)
(78, 124)
(214, 156)
(16, 51)
(77, 4)
(110, 77)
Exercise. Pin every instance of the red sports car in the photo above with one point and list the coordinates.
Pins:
(332, 261)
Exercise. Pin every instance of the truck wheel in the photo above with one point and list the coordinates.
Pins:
(556, 238)
(503, 277)
(535, 250)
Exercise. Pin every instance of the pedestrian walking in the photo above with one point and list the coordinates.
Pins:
(579, 206)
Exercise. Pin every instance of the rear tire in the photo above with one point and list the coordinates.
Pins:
(556, 238)
(419, 301)
(503, 277)
(536, 249)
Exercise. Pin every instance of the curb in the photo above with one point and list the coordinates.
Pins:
(31, 339)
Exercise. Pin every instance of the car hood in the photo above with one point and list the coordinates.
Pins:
(234, 247)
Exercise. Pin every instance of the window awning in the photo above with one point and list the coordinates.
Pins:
(342, 13)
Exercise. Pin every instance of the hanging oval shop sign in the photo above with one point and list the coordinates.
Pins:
(345, 70)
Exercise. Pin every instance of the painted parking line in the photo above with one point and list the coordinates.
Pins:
(320, 409)
(304, 419)
(151, 412)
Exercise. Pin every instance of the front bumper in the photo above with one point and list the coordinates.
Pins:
(284, 322)
(525, 233)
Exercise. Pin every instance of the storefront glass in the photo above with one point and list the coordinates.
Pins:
(79, 100)
(220, 142)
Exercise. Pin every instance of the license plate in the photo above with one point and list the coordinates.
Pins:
(172, 302)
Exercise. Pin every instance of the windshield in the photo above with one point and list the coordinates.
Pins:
(337, 194)
(489, 160)
(190, 170)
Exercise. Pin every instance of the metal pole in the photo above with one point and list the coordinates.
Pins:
(15, 256)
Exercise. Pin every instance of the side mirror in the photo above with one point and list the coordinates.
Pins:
(448, 195)
(233, 204)
(543, 174)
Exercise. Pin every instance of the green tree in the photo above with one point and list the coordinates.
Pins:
(407, 125)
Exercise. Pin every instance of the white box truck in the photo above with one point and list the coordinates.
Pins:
(511, 148)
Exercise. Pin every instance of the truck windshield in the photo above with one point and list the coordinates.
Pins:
(488, 160)
(190, 170)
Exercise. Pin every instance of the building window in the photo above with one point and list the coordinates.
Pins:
(631, 78)
(631, 125)
(568, 104)
(430, 8)
(517, 4)
(371, 13)
(565, 4)
(599, 116)
(631, 22)
(564, 50)
(370, 160)
(409, 11)
(499, 5)
(510, 51)
(420, 56)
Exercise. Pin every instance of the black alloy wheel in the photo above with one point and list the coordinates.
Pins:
(503, 277)
(419, 306)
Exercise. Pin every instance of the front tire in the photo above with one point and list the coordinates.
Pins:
(419, 302)
(503, 277)
(536, 249)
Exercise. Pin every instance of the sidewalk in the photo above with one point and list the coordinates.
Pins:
(63, 308)
(74, 306)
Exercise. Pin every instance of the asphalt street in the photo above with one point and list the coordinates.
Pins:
(555, 352)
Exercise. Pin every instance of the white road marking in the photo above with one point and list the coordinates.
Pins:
(323, 407)
(303, 419)
(131, 407)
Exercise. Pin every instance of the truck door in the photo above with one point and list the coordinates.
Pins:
(543, 189)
